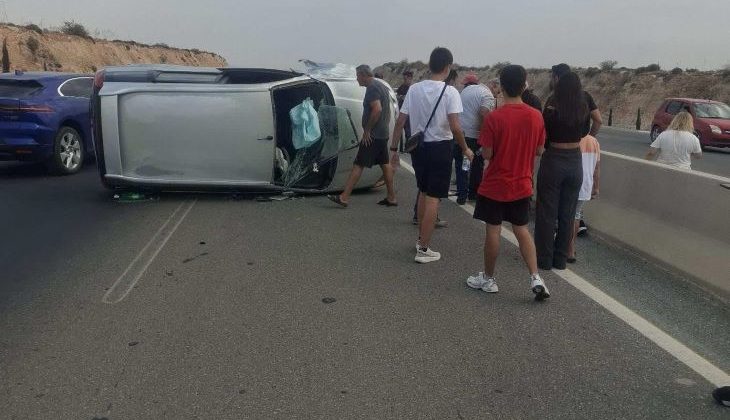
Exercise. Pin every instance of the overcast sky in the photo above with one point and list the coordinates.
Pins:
(276, 33)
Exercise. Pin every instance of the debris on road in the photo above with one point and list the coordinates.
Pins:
(134, 197)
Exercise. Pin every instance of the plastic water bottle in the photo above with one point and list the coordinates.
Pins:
(465, 164)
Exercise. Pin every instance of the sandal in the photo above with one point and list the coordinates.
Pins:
(336, 199)
(385, 202)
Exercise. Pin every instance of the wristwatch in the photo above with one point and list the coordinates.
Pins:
(393, 149)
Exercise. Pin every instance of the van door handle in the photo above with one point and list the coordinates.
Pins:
(267, 138)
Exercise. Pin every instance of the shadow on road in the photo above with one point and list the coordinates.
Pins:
(23, 170)
(722, 151)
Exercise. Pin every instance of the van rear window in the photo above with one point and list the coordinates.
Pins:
(19, 88)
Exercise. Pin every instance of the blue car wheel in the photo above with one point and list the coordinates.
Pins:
(68, 152)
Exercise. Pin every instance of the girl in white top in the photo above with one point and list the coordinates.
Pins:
(677, 146)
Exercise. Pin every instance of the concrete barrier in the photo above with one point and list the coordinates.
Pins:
(680, 218)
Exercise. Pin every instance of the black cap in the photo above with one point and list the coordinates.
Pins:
(560, 70)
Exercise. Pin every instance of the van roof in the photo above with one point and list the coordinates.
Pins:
(184, 74)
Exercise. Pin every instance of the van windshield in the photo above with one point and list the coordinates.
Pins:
(718, 111)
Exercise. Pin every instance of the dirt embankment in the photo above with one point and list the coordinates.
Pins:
(623, 90)
(34, 50)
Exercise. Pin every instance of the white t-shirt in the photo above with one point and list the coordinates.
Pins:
(675, 148)
(474, 98)
(419, 103)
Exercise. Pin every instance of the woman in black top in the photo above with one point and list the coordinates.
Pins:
(560, 177)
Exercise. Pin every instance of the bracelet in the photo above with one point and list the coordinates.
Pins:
(393, 149)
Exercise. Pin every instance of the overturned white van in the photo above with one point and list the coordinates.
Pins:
(190, 128)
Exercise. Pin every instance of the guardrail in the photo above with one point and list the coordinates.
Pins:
(680, 218)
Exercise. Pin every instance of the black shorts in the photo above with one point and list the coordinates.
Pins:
(376, 153)
(432, 163)
(494, 212)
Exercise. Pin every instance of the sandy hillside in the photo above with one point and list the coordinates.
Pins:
(31, 51)
(623, 90)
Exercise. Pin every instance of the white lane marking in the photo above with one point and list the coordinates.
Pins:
(629, 130)
(691, 172)
(684, 354)
(129, 278)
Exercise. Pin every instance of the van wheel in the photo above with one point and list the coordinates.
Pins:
(654, 133)
(68, 152)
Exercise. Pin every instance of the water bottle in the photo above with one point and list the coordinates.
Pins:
(465, 164)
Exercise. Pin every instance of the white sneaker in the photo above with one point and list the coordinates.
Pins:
(538, 288)
(488, 284)
(427, 256)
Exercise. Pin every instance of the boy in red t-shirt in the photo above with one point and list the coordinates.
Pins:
(511, 137)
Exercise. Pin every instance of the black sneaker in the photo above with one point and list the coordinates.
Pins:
(461, 201)
(722, 395)
(582, 228)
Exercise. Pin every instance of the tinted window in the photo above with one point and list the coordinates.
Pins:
(19, 88)
(186, 78)
(674, 107)
(253, 76)
(80, 88)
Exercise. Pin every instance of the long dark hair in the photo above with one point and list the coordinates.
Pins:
(570, 101)
(451, 78)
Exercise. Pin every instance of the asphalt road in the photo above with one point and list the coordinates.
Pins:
(298, 309)
(715, 161)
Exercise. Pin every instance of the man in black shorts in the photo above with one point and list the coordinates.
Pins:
(432, 159)
(511, 137)
(374, 144)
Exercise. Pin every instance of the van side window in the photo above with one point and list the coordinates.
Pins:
(674, 107)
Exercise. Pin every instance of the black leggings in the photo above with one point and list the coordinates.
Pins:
(558, 184)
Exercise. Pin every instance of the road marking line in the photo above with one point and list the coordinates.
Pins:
(693, 172)
(129, 278)
(684, 354)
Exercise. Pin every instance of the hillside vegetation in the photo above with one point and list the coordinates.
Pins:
(71, 49)
(623, 90)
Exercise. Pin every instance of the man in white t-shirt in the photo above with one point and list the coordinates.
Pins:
(432, 159)
(477, 101)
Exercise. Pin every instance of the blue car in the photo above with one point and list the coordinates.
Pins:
(44, 117)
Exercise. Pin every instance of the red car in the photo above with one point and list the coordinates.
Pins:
(711, 119)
